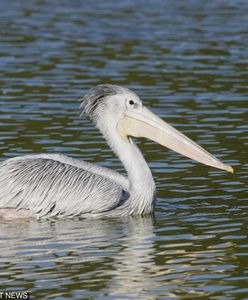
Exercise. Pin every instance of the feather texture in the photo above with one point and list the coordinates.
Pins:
(93, 102)
(52, 185)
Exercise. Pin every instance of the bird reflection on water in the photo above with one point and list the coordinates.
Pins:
(82, 246)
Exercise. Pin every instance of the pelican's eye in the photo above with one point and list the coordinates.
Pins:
(132, 104)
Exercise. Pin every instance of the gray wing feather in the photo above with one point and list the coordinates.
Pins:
(51, 185)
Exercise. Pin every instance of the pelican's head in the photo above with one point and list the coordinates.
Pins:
(124, 111)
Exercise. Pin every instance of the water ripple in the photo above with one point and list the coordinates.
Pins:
(188, 62)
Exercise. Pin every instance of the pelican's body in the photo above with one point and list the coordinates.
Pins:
(52, 185)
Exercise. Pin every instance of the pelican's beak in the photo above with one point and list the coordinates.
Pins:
(143, 123)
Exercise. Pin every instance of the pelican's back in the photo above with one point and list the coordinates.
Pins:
(51, 185)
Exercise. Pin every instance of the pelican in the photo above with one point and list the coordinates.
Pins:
(54, 185)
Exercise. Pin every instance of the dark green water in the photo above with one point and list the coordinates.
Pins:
(188, 61)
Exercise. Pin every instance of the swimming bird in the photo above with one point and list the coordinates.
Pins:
(54, 185)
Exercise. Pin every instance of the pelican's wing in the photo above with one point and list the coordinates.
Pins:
(51, 185)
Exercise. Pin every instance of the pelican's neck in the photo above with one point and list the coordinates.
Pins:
(141, 183)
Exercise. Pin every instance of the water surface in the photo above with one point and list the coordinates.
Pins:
(188, 62)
